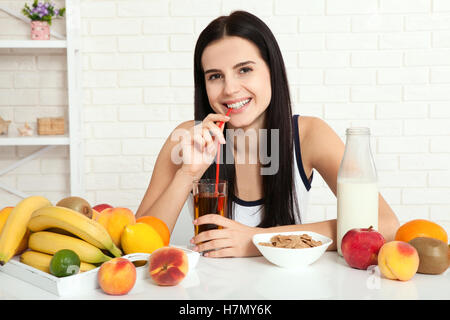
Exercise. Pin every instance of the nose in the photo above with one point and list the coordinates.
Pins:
(231, 86)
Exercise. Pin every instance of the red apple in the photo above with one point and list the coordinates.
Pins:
(100, 207)
(360, 247)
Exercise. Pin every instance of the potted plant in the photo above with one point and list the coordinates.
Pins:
(41, 14)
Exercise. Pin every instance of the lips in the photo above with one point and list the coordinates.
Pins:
(237, 105)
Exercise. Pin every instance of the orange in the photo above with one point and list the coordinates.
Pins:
(421, 228)
(159, 226)
(4, 213)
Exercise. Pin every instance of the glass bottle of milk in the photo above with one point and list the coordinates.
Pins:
(357, 191)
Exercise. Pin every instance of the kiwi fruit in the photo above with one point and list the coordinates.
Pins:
(433, 255)
(77, 204)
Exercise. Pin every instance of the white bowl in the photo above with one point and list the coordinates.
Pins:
(292, 258)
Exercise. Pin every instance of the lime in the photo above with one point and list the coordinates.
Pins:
(65, 263)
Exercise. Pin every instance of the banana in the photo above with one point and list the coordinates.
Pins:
(41, 261)
(37, 260)
(16, 225)
(76, 223)
(50, 242)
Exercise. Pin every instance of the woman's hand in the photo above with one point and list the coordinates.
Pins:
(234, 240)
(199, 144)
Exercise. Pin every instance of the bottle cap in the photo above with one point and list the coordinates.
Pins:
(358, 130)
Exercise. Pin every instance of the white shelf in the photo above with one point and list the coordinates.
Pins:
(35, 141)
(33, 44)
(74, 141)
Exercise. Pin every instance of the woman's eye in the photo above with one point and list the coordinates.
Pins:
(245, 70)
(214, 76)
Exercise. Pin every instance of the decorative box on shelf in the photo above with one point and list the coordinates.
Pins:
(50, 126)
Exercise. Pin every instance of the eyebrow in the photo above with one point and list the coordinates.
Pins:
(240, 64)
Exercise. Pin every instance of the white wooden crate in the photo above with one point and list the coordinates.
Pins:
(81, 283)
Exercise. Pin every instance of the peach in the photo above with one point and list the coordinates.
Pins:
(168, 266)
(140, 237)
(117, 276)
(115, 220)
(398, 260)
(95, 214)
(23, 245)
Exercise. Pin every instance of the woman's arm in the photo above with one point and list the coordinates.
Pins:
(168, 188)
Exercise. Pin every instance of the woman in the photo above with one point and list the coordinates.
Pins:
(238, 65)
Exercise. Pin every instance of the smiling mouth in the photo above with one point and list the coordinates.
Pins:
(238, 105)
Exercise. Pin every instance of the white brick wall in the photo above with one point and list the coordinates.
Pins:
(380, 63)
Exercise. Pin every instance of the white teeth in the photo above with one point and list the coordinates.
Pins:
(239, 104)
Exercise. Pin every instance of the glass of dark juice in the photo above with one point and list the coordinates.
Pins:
(209, 198)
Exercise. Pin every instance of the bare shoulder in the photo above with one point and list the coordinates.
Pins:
(176, 133)
(321, 148)
(312, 127)
(308, 128)
(186, 124)
(313, 130)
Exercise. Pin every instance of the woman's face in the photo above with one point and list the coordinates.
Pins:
(237, 77)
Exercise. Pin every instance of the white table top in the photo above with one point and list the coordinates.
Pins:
(257, 279)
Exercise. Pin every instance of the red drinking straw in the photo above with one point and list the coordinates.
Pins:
(218, 156)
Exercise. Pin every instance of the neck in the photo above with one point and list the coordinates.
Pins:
(246, 141)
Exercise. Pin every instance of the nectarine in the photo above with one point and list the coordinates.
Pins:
(398, 260)
(117, 276)
(115, 220)
(168, 266)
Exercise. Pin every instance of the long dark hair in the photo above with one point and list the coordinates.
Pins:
(279, 189)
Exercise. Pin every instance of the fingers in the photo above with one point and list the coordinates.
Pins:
(215, 124)
(203, 133)
(203, 141)
(217, 117)
(213, 245)
(217, 248)
(230, 241)
(214, 130)
(216, 219)
(221, 253)
(214, 240)
(208, 235)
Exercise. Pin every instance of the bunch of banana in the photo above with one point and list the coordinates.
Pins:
(41, 261)
(74, 222)
(16, 225)
(51, 242)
